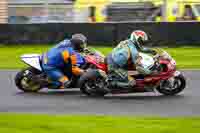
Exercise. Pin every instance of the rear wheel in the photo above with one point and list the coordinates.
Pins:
(174, 87)
(23, 80)
(92, 84)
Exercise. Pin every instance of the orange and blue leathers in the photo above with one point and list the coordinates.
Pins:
(60, 63)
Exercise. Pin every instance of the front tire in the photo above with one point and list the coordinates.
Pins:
(179, 86)
(21, 81)
(92, 83)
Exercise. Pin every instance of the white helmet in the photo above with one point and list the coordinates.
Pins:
(139, 36)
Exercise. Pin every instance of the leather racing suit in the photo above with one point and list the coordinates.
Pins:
(60, 63)
(121, 59)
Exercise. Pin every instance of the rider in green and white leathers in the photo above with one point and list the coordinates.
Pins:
(124, 56)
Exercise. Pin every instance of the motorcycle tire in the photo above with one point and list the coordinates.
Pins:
(175, 91)
(88, 79)
(21, 75)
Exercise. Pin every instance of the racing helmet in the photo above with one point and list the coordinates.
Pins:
(79, 42)
(139, 36)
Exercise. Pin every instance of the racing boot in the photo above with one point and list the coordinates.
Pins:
(67, 84)
(123, 85)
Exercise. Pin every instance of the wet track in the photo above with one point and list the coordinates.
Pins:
(72, 102)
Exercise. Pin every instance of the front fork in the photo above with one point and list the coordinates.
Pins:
(171, 80)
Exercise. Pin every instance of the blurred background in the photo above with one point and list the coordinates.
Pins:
(95, 11)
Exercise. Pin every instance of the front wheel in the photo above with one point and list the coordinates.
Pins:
(174, 87)
(92, 83)
(23, 80)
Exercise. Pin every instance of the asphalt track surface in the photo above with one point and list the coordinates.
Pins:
(73, 102)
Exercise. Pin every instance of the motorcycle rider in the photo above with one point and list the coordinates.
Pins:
(62, 61)
(124, 56)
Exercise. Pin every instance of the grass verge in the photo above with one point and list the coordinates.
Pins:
(95, 124)
(186, 57)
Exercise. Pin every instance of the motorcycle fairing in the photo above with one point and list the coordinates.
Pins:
(32, 60)
(147, 61)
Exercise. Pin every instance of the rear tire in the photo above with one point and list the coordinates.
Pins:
(88, 84)
(20, 76)
(180, 78)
